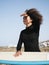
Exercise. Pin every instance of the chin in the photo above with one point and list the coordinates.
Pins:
(25, 23)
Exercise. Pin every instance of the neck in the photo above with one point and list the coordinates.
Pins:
(28, 24)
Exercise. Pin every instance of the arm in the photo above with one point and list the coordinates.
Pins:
(18, 48)
(36, 26)
(19, 42)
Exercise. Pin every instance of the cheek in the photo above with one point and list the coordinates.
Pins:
(29, 20)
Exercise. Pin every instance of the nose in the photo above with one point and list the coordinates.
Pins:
(24, 20)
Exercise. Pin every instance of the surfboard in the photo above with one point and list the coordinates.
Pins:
(27, 58)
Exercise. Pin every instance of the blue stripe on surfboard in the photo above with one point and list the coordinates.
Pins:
(23, 62)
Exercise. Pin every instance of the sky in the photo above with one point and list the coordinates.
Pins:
(11, 24)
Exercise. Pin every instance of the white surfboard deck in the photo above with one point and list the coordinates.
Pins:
(26, 56)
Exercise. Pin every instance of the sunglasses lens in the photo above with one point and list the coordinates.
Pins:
(25, 17)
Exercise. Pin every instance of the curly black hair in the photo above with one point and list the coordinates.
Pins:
(34, 15)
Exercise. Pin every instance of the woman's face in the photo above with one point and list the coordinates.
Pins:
(27, 20)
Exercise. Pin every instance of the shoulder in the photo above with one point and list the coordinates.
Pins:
(22, 31)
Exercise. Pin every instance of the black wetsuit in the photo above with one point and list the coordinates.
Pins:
(29, 37)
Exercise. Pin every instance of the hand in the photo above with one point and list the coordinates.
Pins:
(17, 53)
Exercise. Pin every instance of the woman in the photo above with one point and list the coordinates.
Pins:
(29, 36)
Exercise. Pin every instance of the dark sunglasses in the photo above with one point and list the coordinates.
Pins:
(25, 17)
